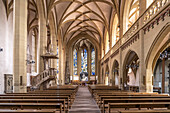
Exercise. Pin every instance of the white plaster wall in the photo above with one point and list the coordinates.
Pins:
(6, 41)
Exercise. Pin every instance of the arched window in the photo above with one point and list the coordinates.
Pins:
(75, 61)
(115, 31)
(107, 43)
(57, 62)
(133, 12)
(93, 62)
(84, 60)
(148, 3)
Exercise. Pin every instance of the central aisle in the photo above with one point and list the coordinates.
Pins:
(84, 103)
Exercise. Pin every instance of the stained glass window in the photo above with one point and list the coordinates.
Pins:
(75, 61)
(57, 65)
(93, 62)
(84, 60)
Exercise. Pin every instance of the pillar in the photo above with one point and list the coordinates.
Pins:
(89, 62)
(20, 46)
(53, 49)
(97, 67)
(121, 70)
(42, 36)
(71, 58)
(62, 60)
(142, 69)
(163, 75)
(79, 62)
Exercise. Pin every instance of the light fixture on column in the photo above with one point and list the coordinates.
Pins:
(132, 66)
(1, 49)
(30, 62)
(165, 54)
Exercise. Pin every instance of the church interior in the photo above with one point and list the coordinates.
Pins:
(85, 56)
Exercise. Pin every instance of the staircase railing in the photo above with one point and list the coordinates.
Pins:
(48, 74)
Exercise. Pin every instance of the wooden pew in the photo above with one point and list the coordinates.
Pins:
(64, 87)
(145, 111)
(38, 97)
(62, 101)
(134, 100)
(100, 101)
(38, 106)
(71, 97)
(92, 88)
(147, 105)
(27, 111)
(100, 96)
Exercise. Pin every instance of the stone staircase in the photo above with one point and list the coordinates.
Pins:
(84, 103)
(44, 77)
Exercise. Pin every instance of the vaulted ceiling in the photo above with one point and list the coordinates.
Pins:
(73, 17)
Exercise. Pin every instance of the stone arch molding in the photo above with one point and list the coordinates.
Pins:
(161, 42)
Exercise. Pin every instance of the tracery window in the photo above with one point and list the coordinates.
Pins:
(84, 60)
(133, 12)
(148, 3)
(75, 61)
(107, 43)
(93, 62)
(115, 31)
(57, 64)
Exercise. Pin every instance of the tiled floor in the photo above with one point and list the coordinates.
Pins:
(84, 103)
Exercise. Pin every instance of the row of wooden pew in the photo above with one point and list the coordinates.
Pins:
(57, 99)
(114, 100)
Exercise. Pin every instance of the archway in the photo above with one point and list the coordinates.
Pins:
(91, 43)
(160, 43)
(106, 79)
(131, 70)
(161, 72)
(115, 73)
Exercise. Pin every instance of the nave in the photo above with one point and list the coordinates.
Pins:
(84, 99)
(108, 56)
(84, 102)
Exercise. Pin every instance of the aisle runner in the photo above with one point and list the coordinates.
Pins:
(84, 103)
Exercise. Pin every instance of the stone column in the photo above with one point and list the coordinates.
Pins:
(163, 75)
(97, 67)
(79, 62)
(54, 50)
(42, 36)
(20, 46)
(71, 58)
(61, 60)
(121, 81)
(36, 52)
(142, 69)
(89, 62)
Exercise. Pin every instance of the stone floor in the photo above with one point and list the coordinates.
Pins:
(84, 103)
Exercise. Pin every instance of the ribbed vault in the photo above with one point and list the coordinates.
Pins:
(73, 17)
